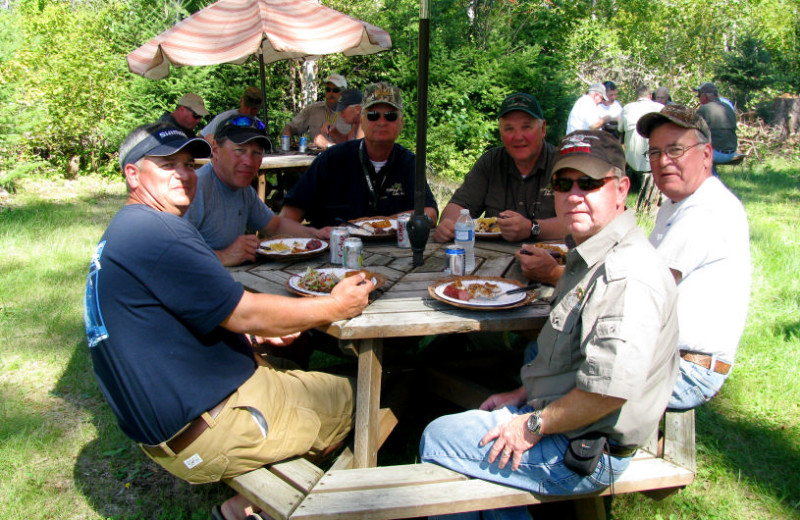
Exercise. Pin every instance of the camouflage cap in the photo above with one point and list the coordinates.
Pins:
(680, 115)
(382, 93)
(707, 88)
(593, 152)
(521, 101)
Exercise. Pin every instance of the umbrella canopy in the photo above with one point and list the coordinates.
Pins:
(230, 31)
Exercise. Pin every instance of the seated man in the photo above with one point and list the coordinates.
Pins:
(607, 360)
(226, 205)
(366, 177)
(349, 109)
(635, 144)
(702, 234)
(249, 105)
(511, 182)
(187, 115)
(320, 118)
(166, 326)
(721, 120)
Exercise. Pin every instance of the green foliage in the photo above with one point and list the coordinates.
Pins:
(746, 68)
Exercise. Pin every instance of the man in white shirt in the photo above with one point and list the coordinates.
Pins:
(635, 144)
(586, 115)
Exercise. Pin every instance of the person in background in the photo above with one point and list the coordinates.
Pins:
(721, 120)
(586, 114)
(249, 105)
(373, 176)
(320, 118)
(661, 95)
(349, 109)
(227, 210)
(511, 182)
(166, 328)
(607, 361)
(612, 108)
(701, 232)
(187, 115)
(635, 144)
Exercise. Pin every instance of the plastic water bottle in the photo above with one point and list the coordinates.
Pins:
(465, 237)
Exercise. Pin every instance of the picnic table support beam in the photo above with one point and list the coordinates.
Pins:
(370, 354)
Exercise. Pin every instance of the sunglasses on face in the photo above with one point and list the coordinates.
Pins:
(194, 114)
(585, 183)
(389, 116)
(246, 122)
(335, 90)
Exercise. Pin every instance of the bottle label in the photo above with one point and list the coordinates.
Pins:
(464, 235)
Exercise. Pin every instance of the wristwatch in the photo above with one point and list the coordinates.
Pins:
(535, 228)
(535, 423)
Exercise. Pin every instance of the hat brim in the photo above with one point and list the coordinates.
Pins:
(591, 166)
(242, 135)
(381, 102)
(531, 113)
(649, 122)
(196, 146)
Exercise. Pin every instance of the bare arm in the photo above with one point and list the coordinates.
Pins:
(538, 266)
(243, 249)
(292, 213)
(445, 230)
(286, 226)
(515, 227)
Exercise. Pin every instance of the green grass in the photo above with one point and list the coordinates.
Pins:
(63, 456)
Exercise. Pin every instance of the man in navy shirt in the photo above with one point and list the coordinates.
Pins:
(166, 326)
(366, 177)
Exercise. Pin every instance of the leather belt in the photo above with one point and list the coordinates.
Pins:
(705, 361)
(620, 451)
(186, 436)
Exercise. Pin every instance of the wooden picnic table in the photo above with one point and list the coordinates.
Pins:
(402, 307)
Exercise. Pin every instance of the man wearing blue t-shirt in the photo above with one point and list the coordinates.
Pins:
(166, 326)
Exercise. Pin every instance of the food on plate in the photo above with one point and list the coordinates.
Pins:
(311, 245)
(556, 251)
(381, 224)
(293, 247)
(472, 291)
(487, 225)
(318, 281)
(278, 247)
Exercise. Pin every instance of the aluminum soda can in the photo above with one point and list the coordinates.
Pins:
(403, 240)
(353, 253)
(303, 144)
(338, 236)
(455, 260)
(286, 142)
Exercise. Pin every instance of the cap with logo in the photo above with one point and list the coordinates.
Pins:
(593, 152)
(680, 115)
(523, 102)
(599, 88)
(161, 140)
(337, 79)
(243, 129)
(382, 93)
(706, 88)
(349, 97)
(194, 103)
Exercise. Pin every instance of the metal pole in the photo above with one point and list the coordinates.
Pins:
(264, 96)
(419, 226)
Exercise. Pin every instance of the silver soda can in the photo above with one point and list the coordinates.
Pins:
(454, 260)
(303, 144)
(338, 236)
(353, 253)
(286, 142)
(403, 240)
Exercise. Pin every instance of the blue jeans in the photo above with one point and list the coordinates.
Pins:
(720, 158)
(696, 385)
(452, 441)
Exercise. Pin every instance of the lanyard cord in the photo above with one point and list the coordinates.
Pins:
(362, 156)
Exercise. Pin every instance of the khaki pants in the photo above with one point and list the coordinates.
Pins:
(304, 412)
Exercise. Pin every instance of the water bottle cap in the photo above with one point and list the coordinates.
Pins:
(464, 211)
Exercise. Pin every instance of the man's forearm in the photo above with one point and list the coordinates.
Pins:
(577, 409)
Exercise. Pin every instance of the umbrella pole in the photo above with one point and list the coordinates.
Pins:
(264, 96)
(419, 226)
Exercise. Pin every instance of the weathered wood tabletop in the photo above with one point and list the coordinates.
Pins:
(401, 307)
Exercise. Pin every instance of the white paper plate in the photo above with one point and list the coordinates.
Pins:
(293, 283)
(266, 245)
(502, 301)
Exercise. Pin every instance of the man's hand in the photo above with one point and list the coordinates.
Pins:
(243, 249)
(513, 226)
(445, 231)
(537, 264)
(282, 341)
(496, 401)
(324, 233)
(351, 295)
(511, 440)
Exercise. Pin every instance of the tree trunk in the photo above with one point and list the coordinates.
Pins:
(308, 80)
(786, 115)
(649, 196)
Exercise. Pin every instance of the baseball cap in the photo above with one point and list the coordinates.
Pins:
(252, 97)
(337, 79)
(592, 152)
(161, 140)
(520, 101)
(599, 88)
(680, 115)
(193, 102)
(706, 88)
(382, 93)
(350, 96)
(242, 129)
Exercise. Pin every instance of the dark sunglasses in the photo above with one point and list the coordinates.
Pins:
(585, 183)
(194, 114)
(389, 116)
(246, 122)
(335, 90)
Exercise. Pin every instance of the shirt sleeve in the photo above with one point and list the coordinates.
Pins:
(472, 193)
(259, 214)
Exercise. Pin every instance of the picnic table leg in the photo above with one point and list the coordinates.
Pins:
(370, 352)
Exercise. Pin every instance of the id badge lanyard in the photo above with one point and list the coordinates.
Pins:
(362, 155)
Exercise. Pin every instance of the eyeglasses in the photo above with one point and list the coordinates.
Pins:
(585, 183)
(194, 114)
(389, 116)
(335, 90)
(673, 152)
(246, 122)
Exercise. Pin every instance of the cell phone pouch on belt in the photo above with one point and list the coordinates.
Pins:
(583, 453)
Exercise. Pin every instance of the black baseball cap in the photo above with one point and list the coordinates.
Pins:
(163, 140)
(349, 97)
(243, 129)
(521, 101)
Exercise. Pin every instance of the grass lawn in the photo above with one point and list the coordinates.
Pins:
(63, 456)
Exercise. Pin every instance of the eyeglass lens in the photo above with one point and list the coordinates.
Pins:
(389, 116)
(585, 183)
(194, 114)
(335, 90)
(246, 121)
(673, 152)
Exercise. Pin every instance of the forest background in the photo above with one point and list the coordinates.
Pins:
(66, 94)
